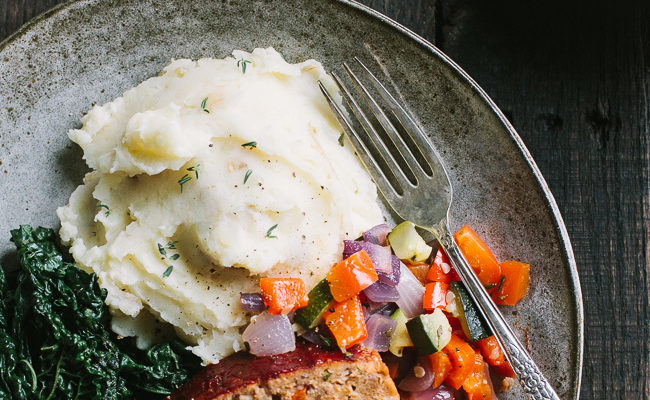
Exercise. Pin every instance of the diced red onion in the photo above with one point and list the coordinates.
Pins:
(411, 293)
(377, 234)
(442, 392)
(252, 302)
(391, 279)
(381, 308)
(374, 306)
(381, 292)
(380, 255)
(414, 384)
(380, 330)
(268, 335)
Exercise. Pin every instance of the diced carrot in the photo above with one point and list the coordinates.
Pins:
(420, 271)
(283, 295)
(347, 323)
(349, 277)
(441, 269)
(435, 295)
(476, 384)
(504, 370)
(441, 367)
(516, 277)
(479, 256)
(462, 357)
(491, 351)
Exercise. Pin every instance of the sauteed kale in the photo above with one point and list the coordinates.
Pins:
(55, 339)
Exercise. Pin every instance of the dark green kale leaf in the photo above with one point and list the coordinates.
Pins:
(55, 339)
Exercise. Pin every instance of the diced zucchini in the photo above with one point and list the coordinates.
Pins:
(400, 338)
(429, 332)
(320, 299)
(407, 243)
(472, 322)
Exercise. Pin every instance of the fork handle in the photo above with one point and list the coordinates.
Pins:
(528, 374)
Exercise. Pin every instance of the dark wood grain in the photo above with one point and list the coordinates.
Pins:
(574, 78)
(14, 13)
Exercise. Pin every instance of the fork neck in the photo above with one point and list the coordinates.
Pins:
(442, 233)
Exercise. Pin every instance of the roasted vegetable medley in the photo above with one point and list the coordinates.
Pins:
(394, 294)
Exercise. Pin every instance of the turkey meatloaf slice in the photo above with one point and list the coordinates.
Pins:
(309, 372)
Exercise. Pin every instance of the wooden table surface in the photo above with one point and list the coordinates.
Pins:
(574, 79)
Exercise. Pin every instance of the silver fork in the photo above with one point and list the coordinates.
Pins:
(425, 202)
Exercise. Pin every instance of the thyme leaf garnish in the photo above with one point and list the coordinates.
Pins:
(168, 271)
(170, 246)
(108, 210)
(184, 180)
(203, 103)
(162, 250)
(503, 279)
(268, 233)
(325, 340)
(249, 144)
(326, 375)
(195, 169)
(247, 175)
(242, 64)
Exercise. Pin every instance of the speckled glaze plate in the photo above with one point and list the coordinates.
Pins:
(87, 52)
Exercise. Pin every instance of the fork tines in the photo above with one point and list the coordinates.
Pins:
(412, 159)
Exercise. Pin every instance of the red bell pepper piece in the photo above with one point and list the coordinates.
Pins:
(435, 295)
(441, 269)
(491, 351)
(505, 370)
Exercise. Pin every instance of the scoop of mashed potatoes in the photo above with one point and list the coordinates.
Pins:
(204, 179)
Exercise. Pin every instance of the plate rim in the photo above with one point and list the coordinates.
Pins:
(558, 221)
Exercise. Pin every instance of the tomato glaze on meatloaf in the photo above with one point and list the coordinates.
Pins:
(309, 372)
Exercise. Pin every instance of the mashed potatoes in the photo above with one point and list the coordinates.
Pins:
(205, 178)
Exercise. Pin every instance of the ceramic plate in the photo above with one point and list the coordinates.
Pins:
(89, 52)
